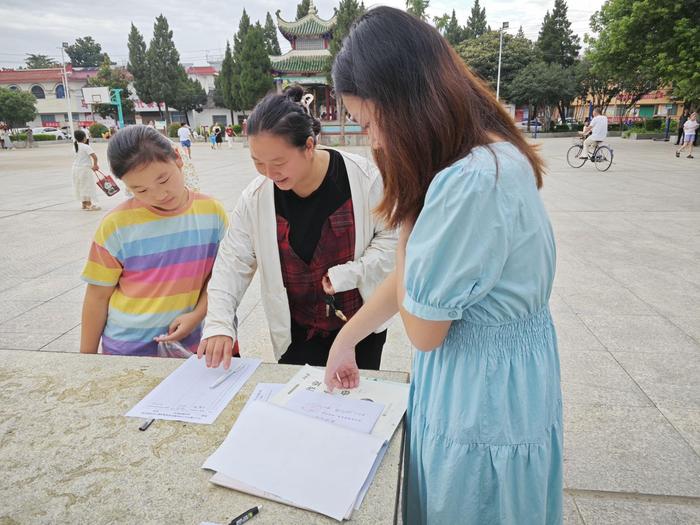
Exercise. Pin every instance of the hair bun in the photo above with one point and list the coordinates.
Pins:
(294, 93)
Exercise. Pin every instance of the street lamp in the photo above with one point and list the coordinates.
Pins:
(500, 52)
(67, 90)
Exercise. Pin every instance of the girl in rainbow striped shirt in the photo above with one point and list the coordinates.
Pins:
(152, 256)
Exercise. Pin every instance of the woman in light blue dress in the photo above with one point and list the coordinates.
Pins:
(474, 272)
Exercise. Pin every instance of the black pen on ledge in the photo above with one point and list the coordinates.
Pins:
(240, 520)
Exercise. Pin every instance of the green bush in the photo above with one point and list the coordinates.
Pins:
(237, 129)
(561, 127)
(21, 137)
(172, 129)
(613, 127)
(653, 124)
(96, 130)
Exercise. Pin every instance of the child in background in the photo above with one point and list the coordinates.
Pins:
(151, 256)
(84, 166)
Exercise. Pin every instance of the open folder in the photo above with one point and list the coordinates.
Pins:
(293, 454)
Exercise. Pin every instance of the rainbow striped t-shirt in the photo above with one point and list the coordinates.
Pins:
(159, 262)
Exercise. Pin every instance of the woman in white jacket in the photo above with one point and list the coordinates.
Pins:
(308, 226)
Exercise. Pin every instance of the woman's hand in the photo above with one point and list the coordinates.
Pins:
(217, 349)
(182, 326)
(341, 367)
(327, 285)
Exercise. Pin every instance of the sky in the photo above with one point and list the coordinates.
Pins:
(201, 34)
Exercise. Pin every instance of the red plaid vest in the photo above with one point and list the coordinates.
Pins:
(303, 281)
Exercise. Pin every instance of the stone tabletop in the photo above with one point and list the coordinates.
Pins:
(69, 455)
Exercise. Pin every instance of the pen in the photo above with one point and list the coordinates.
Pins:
(146, 424)
(224, 377)
(240, 520)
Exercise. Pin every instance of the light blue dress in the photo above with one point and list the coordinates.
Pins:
(485, 415)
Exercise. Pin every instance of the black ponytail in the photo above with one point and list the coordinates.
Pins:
(79, 136)
(285, 115)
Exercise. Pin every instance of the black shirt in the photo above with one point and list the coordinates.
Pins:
(307, 215)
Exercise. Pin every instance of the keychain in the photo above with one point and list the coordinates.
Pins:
(330, 303)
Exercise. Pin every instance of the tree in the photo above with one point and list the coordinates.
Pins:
(441, 22)
(86, 53)
(271, 41)
(303, 9)
(557, 42)
(454, 33)
(348, 12)
(481, 55)
(649, 43)
(238, 42)
(417, 8)
(40, 62)
(138, 65)
(190, 96)
(113, 78)
(476, 23)
(543, 86)
(595, 84)
(164, 70)
(16, 107)
(256, 80)
(449, 28)
(223, 82)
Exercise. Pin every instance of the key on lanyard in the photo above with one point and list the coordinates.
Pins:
(330, 303)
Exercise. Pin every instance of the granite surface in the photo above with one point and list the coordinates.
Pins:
(69, 455)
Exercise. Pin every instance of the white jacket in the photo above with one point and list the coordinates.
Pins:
(251, 243)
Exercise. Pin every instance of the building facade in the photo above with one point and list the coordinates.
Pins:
(50, 92)
(657, 103)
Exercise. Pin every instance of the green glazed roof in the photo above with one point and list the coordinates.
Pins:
(306, 63)
(310, 25)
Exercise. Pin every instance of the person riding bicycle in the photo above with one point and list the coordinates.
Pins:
(598, 129)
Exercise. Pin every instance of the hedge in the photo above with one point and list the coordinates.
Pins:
(21, 137)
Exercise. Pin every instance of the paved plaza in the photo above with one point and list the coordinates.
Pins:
(626, 304)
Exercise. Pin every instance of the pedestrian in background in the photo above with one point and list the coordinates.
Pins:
(84, 166)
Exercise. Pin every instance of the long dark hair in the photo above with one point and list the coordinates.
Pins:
(79, 136)
(285, 116)
(432, 109)
(135, 146)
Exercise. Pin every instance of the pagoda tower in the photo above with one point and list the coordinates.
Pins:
(309, 60)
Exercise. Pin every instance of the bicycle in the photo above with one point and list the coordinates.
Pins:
(602, 156)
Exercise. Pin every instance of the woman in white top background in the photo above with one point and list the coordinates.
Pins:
(84, 165)
(689, 130)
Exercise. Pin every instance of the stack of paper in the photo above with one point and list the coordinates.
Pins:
(300, 446)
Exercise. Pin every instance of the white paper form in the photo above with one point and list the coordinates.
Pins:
(185, 395)
(296, 458)
(263, 392)
(356, 414)
(394, 396)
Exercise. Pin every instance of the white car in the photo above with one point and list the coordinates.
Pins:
(523, 124)
(60, 135)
